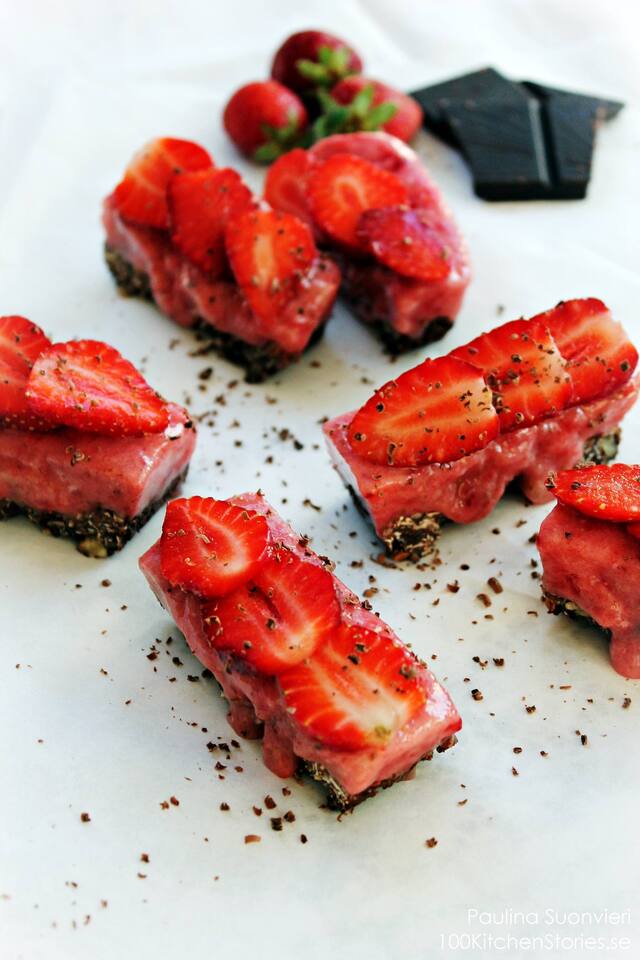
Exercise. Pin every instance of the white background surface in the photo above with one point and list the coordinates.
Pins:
(83, 85)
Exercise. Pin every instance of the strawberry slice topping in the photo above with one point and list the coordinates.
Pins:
(285, 183)
(525, 370)
(607, 491)
(21, 343)
(405, 240)
(89, 385)
(280, 618)
(270, 253)
(599, 354)
(437, 412)
(211, 547)
(201, 203)
(340, 190)
(356, 691)
(141, 194)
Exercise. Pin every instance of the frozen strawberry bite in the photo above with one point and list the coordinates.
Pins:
(444, 440)
(590, 550)
(88, 450)
(302, 662)
(192, 238)
(370, 201)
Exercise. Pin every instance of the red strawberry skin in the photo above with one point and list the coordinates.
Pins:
(356, 690)
(437, 412)
(21, 343)
(406, 241)
(344, 187)
(201, 204)
(285, 184)
(89, 385)
(270, 253)
(287, 610)
(408, 117)
(261, 114)
(209, 546)
(605, 491)
(525, 370)
(141, 196)
(306, 45)
(599, 353)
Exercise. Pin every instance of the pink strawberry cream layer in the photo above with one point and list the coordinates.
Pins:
(380, 294)
(468, 489)
(186, 294)
(596, 565)
(255, 699)
(70, 472)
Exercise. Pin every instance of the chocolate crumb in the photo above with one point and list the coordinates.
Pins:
(499, 661)
(225, 806)
(174, 801)
(269, 803)
(85, 818)
(514, 772)
(431, 842)
(626, 703)
(495, 584)
(144, 857)
(276, 824)
(517, 749)
(530, 709)
(252, 838)
(105, 583)
(477, 695)
(303, 838)
(484, 599)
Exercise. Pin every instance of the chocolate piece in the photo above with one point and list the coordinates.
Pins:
(98, 533)
(260, 361)
(481, 84)
(523, 141)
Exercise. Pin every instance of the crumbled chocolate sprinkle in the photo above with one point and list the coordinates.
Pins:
(85, 817)
(224, 807)
(276, 824)
(477, 694)
(626, 703)
(252, 838)
(303, 838)
(270, 803)
(495, 584)
(431, 842)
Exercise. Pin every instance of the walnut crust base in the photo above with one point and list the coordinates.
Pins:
(338, 799)
(260, 361)
(413, 537)
(557, 605)
(97, 534)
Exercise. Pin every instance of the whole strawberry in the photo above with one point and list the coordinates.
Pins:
(313, 59)
(372, 102)
(264, 119)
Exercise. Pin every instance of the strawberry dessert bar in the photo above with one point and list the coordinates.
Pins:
(302, 662)
(192, 238)
(372, 204)
(87, 449)
(590, 550)
(444, 440)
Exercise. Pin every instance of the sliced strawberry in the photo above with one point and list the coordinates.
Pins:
(285, 183)
(524, 369)
(357, 690)
(211, 547)
(141, 194)
(89, 385)
(437, 412)
(607, 491)
(269, 252)
(201, 203)
(21, 343)
(599, 354)
(343, 187)
(405, 240)
(277, 620)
